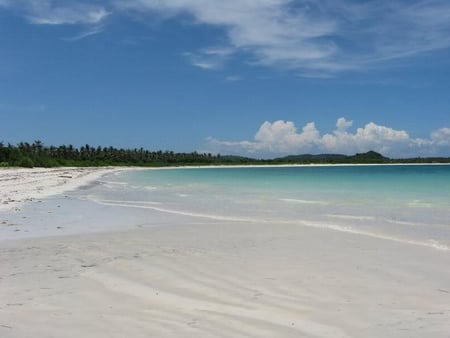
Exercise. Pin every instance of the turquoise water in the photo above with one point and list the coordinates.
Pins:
(401, 203)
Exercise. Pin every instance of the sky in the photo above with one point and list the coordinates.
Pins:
(258, 78)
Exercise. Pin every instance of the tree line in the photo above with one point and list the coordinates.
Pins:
(37, 154)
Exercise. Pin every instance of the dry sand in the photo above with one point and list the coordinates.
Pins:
(181, 276)
(18, 185)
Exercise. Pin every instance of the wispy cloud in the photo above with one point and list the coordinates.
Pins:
(233, 78)
(209, 58)
(44, 12)
(319, 37)
(282, 138)
(49, 12)
(85, 34)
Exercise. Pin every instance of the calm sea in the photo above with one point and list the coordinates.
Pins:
(405, 203)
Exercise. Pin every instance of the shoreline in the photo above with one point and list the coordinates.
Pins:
(21, 185)
(221, 166)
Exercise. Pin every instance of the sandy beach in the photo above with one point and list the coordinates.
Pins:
(18, 185)
(70, 269)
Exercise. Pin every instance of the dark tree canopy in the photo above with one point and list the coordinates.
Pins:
(38, 155)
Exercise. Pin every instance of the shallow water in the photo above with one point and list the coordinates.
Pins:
(405, 203)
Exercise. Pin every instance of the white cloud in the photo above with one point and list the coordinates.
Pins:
(342, 124)
(44, 12)
(281, 138)
(320, 37)
(313, 38)
(441, 137)
(209, 58)
(85, 34)
(49, 12)
(265, 28)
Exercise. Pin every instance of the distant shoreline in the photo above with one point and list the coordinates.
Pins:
(199, 166)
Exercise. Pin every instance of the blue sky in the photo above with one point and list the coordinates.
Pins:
(260, 78)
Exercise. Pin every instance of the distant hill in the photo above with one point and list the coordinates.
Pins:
(234, 159)
(369, 157)
(313, 158)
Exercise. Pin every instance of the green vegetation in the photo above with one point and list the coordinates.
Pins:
(38, 155)
(369, 157)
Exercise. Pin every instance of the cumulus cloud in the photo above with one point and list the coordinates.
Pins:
(282, 138)
(441, 137)
(342, 124)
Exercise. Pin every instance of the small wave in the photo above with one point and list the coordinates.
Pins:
(394, 221)
(419, 204)
(128, 202)
(352, 217)
(111, 183)
(292, 200)
(114, 185)
(347, 229)
(435, 244)
(414, 224)
(431, 243)
(148, 205)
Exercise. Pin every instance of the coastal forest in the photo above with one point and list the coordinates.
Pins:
(37, 154)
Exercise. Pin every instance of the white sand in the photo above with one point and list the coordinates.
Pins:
(195, 278)
(19, 185)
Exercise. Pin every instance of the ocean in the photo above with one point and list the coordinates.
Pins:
(403, 203)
